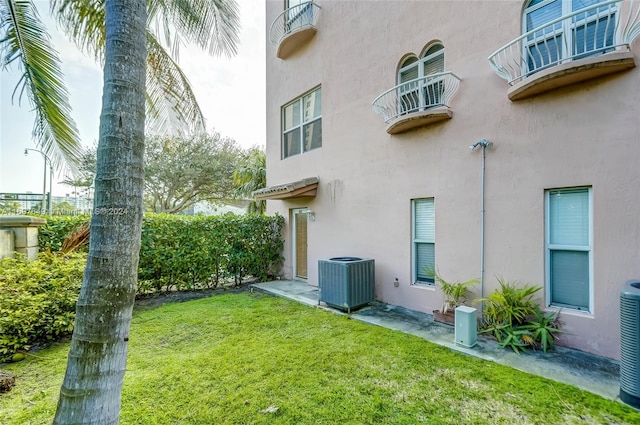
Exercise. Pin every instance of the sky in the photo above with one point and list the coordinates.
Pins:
(230, 91)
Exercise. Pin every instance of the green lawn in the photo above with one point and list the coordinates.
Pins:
(250, 358)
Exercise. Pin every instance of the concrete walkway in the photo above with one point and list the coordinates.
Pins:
(586, 371)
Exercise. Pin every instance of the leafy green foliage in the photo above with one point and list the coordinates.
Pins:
(37, 299)
(51, 236)
(511, 304)
(187, 253)
(192, 252)
(180, 171)
(250, 176)
(26, 43)
(515, 319)
(543, 328)
(513, 338)
(455, 292)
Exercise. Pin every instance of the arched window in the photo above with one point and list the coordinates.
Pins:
(551, 40)
(420, 81)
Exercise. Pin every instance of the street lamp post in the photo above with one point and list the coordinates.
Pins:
(44, 183)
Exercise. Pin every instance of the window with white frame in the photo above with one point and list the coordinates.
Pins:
(302, 124)
(577, 36)
(569, 246)
(423, 235)
(420, 84)
(299, 13)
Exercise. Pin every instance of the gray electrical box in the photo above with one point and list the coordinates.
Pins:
(466, 332)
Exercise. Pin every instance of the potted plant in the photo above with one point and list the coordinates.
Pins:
(454, 295)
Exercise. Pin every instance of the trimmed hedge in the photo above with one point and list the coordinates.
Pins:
(193, 252)
(58, 227)
(37, 299)
(184, 253)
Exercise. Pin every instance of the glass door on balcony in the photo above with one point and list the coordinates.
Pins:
(416, 91)
(433, 63)
(593, 31)
(579, 35)
(299, 231)
(543, 47)
(299, 13)
(408, 91)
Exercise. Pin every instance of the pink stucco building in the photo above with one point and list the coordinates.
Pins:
(372, 107)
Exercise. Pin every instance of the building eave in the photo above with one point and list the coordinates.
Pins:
(304, 188)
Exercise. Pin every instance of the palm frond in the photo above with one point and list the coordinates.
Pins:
(209, 24)
(170, 98)
(26, 42)
(83, 22)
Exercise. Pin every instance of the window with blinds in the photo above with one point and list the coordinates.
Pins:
(423, 240)
(299, 13)
(568, 237)
(302, 124)
(416, 90)
(586, 34)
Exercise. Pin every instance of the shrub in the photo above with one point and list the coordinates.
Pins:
(193, 252)
(51, 236)
(37, 299)
(511, 304)
(513, 317)
(454, 292)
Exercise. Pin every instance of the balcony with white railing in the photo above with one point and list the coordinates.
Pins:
(294, 27)
(578, 46)
(417, 102)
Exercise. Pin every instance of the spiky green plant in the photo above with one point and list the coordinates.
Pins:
(543, 328)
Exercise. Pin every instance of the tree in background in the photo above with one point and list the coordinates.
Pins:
(83, 179)
(171, 103)
(63, 208)
(250, 176)
(10, 206)
(181, 170)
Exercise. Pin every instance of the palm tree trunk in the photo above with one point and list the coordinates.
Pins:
(91, 390)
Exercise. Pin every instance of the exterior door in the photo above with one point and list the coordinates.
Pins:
(300, 243)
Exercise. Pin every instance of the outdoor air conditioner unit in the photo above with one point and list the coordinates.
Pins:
(630, 343)
(346, 282)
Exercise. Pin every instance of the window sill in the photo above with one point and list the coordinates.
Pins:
(570, 73)
(565, 311)
(404, 123)
(294, 40)
(426, 286)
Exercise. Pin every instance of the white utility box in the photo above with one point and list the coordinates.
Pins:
(466, 333)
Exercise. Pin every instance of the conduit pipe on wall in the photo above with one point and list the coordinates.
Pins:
(484, 144)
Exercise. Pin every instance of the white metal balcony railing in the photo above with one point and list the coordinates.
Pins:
(292, 19)
(597, 29)
(417, 95)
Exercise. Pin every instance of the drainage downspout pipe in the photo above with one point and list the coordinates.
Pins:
(484, 143)
(482, 213)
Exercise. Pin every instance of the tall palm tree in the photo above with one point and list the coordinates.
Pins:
(91, 390)
(170, 102)
(122, 34)
(251, 176)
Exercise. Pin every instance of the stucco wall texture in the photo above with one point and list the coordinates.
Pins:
(582, 135)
